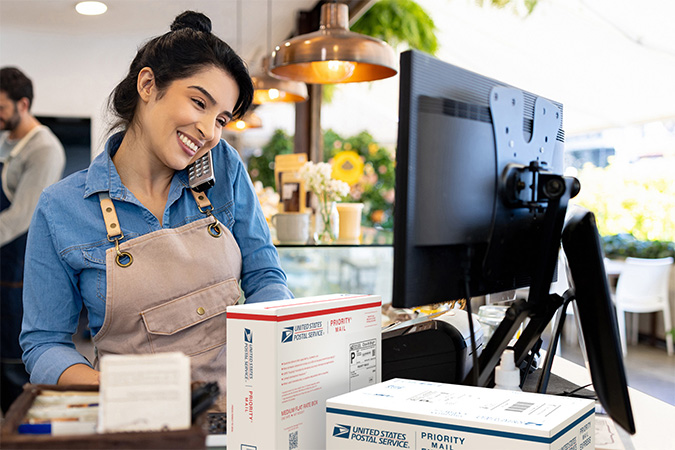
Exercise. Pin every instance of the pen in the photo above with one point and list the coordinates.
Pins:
(35, 428)
(56, 428)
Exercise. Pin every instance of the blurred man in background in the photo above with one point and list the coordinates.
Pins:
(31, 158)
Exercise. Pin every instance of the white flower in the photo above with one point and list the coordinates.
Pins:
(268, 198)
(318, 179)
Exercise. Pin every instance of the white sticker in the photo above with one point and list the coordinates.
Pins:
(362, 364)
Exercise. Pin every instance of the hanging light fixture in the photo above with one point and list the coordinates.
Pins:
(273, 90)
(333, 54)
(249, 121)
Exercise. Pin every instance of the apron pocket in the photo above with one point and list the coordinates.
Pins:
(191, 324)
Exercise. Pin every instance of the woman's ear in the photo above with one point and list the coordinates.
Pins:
(145, 83)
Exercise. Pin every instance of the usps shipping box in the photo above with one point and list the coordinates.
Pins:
(286, 358)
(423, 416)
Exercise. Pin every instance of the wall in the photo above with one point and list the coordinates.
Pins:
(67, 84)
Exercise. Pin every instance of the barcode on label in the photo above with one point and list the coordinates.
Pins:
(519, 406)
(293, 440)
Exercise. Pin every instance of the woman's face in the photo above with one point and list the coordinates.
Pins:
(184, 121)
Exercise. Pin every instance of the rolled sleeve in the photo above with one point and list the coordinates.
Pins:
(51, 303)
(53, 362)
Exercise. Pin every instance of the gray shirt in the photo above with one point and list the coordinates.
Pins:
(38, 164)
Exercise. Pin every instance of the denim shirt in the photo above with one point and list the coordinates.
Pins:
(67, 241)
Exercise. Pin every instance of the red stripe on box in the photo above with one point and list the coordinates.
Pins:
(249, 316)
(315, 302)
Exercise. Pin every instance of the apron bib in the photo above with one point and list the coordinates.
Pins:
(168, 291)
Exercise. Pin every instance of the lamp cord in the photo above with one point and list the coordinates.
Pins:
(238, 25)
(269, 26)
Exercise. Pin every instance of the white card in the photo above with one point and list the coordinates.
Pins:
(144, 392)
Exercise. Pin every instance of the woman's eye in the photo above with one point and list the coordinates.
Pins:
(199, 103)
(222, 122)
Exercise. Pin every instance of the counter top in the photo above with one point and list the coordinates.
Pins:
(653, 417)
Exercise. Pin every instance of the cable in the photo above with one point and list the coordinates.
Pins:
(573, 393)
(467, 295)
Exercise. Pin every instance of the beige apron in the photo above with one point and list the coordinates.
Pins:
(168, 291)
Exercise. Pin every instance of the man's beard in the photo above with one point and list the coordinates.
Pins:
(11, 123)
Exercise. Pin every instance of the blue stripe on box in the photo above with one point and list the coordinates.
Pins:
(446, 426)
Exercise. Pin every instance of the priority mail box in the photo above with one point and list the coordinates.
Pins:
(424, 416)
(286, 358)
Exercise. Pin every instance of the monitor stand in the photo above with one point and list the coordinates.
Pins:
(524, 191)
(540, 306)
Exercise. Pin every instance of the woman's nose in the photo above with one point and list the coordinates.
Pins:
(207, 132)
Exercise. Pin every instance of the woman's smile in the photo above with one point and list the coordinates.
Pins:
(189, 146)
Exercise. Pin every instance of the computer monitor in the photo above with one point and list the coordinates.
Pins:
(448, 172)
(597, 315)
(480, 209)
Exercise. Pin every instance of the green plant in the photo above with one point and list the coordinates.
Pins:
(375, 189)
(634, 205)
(261, 166)
(636, 198)
(399, 22)
(527, 4)
(625, 245)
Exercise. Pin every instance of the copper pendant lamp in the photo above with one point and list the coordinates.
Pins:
(333, 54)
(274, 90)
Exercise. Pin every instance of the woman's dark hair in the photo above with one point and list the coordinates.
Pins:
(187, 48)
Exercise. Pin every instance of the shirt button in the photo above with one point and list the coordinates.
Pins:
(200, 311)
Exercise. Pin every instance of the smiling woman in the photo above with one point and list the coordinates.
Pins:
(131, 242)
(188, 115)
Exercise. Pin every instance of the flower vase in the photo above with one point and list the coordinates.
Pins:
(327, 223)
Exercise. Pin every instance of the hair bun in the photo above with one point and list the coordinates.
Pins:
(191, 19)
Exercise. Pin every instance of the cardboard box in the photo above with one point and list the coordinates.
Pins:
(286, 358)
(423, 416)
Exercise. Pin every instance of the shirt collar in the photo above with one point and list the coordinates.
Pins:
(102, 175)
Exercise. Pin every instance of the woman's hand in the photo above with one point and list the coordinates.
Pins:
(79, 374)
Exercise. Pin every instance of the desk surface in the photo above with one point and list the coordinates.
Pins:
(370, 237)
(654, 419)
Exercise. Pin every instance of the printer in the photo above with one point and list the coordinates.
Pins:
(431, 348)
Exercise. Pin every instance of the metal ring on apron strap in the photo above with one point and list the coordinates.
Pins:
(120, 254)
(214, 228)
